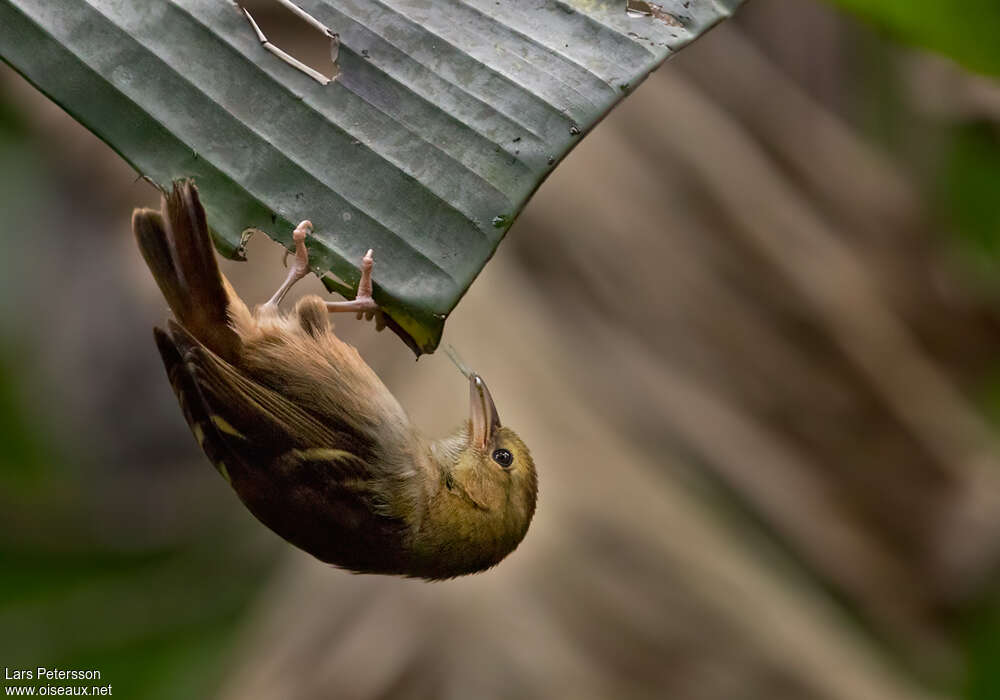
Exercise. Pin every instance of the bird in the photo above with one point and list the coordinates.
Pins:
(310, 439)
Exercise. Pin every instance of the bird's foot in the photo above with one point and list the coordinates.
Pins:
(363, 304)
(300, 263)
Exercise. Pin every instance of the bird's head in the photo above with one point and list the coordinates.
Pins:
(489, 484)
(495, 468)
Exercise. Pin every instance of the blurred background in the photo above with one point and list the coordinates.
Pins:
(750, 328)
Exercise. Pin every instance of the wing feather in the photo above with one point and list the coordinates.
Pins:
(311, 483)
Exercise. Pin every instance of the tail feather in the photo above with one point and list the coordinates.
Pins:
(178, 250)
(151, 235)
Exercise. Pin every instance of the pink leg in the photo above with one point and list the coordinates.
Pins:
(362, 303)
(300, 265)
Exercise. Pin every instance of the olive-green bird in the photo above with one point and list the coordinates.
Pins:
(311, 440)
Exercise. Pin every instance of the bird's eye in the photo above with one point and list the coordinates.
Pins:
(503, 457)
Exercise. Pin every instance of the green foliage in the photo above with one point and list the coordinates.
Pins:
(967, 32)
(972, 187)
(983, 651)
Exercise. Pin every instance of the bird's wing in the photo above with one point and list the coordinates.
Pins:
(308, 481)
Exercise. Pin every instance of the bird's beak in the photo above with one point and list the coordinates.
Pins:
(483, 412)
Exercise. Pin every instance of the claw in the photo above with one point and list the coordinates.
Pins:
(302, 230)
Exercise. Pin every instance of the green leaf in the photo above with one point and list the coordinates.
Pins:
(968, 32)
(982, 651)
(970, 183)
(446, 117)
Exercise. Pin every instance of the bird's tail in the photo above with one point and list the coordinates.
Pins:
(177, 247)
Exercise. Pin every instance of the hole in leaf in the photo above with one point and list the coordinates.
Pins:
(295, 37)
(642, 8)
